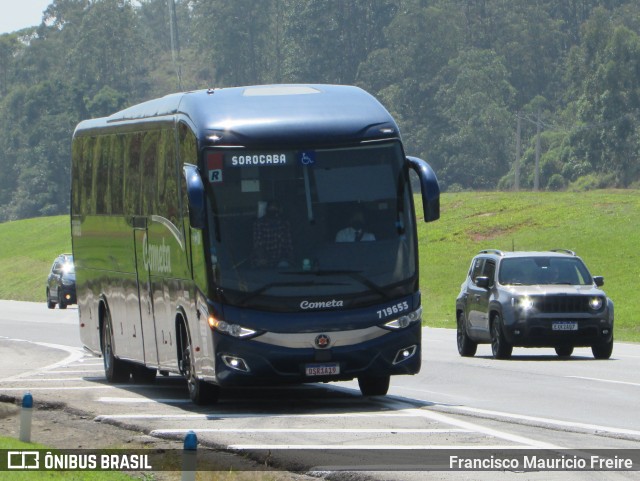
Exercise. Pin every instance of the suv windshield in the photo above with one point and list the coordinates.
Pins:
(310, 223)
(543, 270)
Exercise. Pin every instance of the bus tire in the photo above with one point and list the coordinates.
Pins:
(115, 370)
(200, 392)
(374, 386)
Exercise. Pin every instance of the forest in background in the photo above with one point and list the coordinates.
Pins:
(467, 80)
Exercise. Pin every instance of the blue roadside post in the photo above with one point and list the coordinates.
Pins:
(189, 455)
(26, 414)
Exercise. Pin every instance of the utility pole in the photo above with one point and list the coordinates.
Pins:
(516, 181)
(536, 179)
(175, 46)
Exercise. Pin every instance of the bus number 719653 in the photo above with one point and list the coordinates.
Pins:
(393, 310)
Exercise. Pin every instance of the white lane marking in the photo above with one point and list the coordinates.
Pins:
(159, 432)
(205, 417)
(400, 405)
(552, 422)
(74, 354)
(62, 388)
(514, 438)
(604, 380)
(61, 379)
(84, 371)
(135, 400)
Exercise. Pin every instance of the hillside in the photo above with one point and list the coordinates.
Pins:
(466, 80)
(602, 226)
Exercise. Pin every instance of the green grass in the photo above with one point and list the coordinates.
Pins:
(602, 227)
(28, 250)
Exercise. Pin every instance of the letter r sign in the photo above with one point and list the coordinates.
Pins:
(215, 175)
(214, 167)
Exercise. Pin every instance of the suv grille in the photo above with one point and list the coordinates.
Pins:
(555, 304)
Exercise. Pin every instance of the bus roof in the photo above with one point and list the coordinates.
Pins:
(265, 115)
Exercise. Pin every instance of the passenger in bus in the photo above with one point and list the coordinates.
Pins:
(355, 232)
(272, 244)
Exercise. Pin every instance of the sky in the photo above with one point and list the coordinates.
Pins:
(18, 14)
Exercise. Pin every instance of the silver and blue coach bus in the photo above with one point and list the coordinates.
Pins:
(249, 236)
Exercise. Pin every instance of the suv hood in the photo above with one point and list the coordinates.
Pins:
(554, 290)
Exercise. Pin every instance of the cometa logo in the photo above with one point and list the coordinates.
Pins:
(157, 258)
(321, 304)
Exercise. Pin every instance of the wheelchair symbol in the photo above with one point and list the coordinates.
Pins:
(307, 158)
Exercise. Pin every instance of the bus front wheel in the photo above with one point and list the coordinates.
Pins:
(374, 386)
(114, 369)
(200, 392)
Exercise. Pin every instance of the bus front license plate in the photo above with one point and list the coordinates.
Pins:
(322, 369)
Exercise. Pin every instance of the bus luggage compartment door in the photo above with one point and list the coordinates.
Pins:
(145, 296)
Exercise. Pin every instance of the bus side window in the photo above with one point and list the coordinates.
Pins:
(132, 179)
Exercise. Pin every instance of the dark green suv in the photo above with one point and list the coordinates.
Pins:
(533, 299)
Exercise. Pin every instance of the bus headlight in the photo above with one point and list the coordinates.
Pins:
(405, 320)
(234, 330)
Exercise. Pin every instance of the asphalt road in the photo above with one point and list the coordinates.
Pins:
(535, 401)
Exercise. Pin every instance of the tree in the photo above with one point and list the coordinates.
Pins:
(606, 76)
(474, 146)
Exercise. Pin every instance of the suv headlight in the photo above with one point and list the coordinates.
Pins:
(524, 303)
(596, 303)
(405, 320)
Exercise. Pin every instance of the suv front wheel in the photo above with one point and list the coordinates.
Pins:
(500, 347)
(466, 347)
(602, 350)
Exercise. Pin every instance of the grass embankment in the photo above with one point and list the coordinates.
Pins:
(603, 227)
(28, 250)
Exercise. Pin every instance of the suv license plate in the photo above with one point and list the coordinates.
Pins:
(322, 369)
(565, 326)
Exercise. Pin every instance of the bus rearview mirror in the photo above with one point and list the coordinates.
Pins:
(195, 196)
(429, 187)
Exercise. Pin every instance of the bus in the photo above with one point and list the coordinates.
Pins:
(249, 236)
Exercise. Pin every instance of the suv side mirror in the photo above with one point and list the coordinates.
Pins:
(599, 280)
(482, 282)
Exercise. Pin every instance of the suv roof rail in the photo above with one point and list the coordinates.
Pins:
(566, 251)
(492, 251)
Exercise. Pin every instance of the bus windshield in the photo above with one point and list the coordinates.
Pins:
(292, 224)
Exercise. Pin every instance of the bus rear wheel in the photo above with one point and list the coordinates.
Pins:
(114, 369)
(374, 386)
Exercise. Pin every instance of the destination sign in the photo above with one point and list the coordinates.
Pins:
(258, 159)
